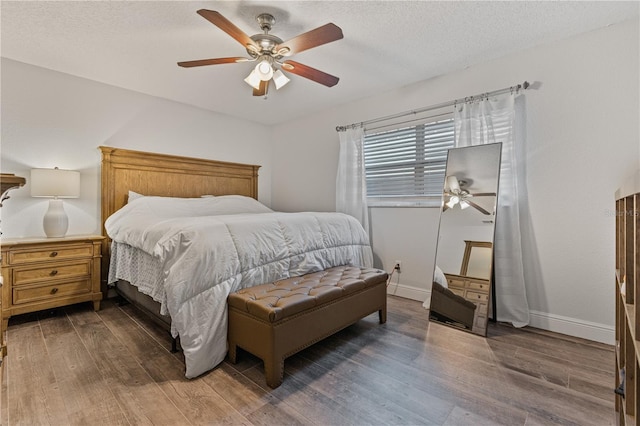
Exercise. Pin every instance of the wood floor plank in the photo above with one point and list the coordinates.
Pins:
(240, 392)
(117, 366)
(461, 417)
(276, 414)
(418, 379)
(4, 402)
(195, 399)
(36, 397)
(87, 396)
(141, 399)
(157, 332)
(594, 384)
(581, 356)
(306, 394)
(409, 405)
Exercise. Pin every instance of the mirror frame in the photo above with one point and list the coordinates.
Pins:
(455, 297)
(469, 245)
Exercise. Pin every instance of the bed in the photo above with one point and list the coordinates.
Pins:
(170, 266)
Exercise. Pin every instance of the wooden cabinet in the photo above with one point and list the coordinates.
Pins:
(44, 273)
(475, 290)
(627, 214)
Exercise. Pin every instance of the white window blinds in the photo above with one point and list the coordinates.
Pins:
(408, 163)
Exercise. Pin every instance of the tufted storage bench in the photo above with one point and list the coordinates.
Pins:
(276, 320)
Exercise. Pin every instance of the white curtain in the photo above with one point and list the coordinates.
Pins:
(351, 185)
(491, 121)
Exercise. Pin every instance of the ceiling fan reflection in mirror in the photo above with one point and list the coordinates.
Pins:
(455, 194)
(271, 52)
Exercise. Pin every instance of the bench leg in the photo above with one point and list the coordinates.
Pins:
(274, 372)
(232, 353)
(382, 315)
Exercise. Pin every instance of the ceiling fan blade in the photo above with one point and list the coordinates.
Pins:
(262, 91)
(321, 35)
(483, 194)
(477, 207)
(216, 61)
(310, 73)
(227, 26)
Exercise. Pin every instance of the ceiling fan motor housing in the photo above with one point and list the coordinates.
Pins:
(266, 42)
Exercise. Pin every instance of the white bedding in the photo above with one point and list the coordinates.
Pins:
(205, 255)
(439, 277)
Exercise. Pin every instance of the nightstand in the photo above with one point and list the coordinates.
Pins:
(45, 273)
(475, 290)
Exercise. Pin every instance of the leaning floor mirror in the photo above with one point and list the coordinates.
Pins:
(462, 284)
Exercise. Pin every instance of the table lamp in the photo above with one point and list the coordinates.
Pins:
(55, 183)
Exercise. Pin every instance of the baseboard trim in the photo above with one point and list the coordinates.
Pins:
(573, 327)
(557, 323)
(408, 292)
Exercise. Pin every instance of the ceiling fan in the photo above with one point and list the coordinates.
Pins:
(455, 193)
(270, 52)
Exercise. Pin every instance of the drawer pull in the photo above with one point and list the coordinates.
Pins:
(54, 272)
(53, 254)
(54, 290)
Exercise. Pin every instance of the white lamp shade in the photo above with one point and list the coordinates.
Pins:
(264, 70)
(280, 79)
(55, 183)
(253, 80)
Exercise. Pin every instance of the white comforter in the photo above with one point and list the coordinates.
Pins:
(206, 256)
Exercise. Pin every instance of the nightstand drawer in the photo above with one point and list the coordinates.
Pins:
(454, 282)
(20, 257)
(49, 292)
(46, 272)
(477, 297)
(479, 286)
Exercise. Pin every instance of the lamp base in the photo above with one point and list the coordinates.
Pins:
(55, 221)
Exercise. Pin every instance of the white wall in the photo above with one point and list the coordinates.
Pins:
(54, 119)
(581, 139)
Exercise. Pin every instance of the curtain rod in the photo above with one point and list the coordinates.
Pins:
(510, 89)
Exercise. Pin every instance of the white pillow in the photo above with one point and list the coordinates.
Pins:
(133, 196)
(232, 204)
(173, 207)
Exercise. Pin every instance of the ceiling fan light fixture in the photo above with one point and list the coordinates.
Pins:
(452, 202)
(463, 204)
(253, 80)
(280, 79)
(264, 70)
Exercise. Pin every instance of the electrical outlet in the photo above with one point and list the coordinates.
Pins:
(397, 265)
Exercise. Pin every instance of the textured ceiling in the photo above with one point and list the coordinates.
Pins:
(386, 45)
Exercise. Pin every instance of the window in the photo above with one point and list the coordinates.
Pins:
(406, 166)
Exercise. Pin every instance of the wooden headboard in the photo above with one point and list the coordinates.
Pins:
(149, 173)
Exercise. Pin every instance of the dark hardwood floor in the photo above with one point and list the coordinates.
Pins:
(76, 366)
